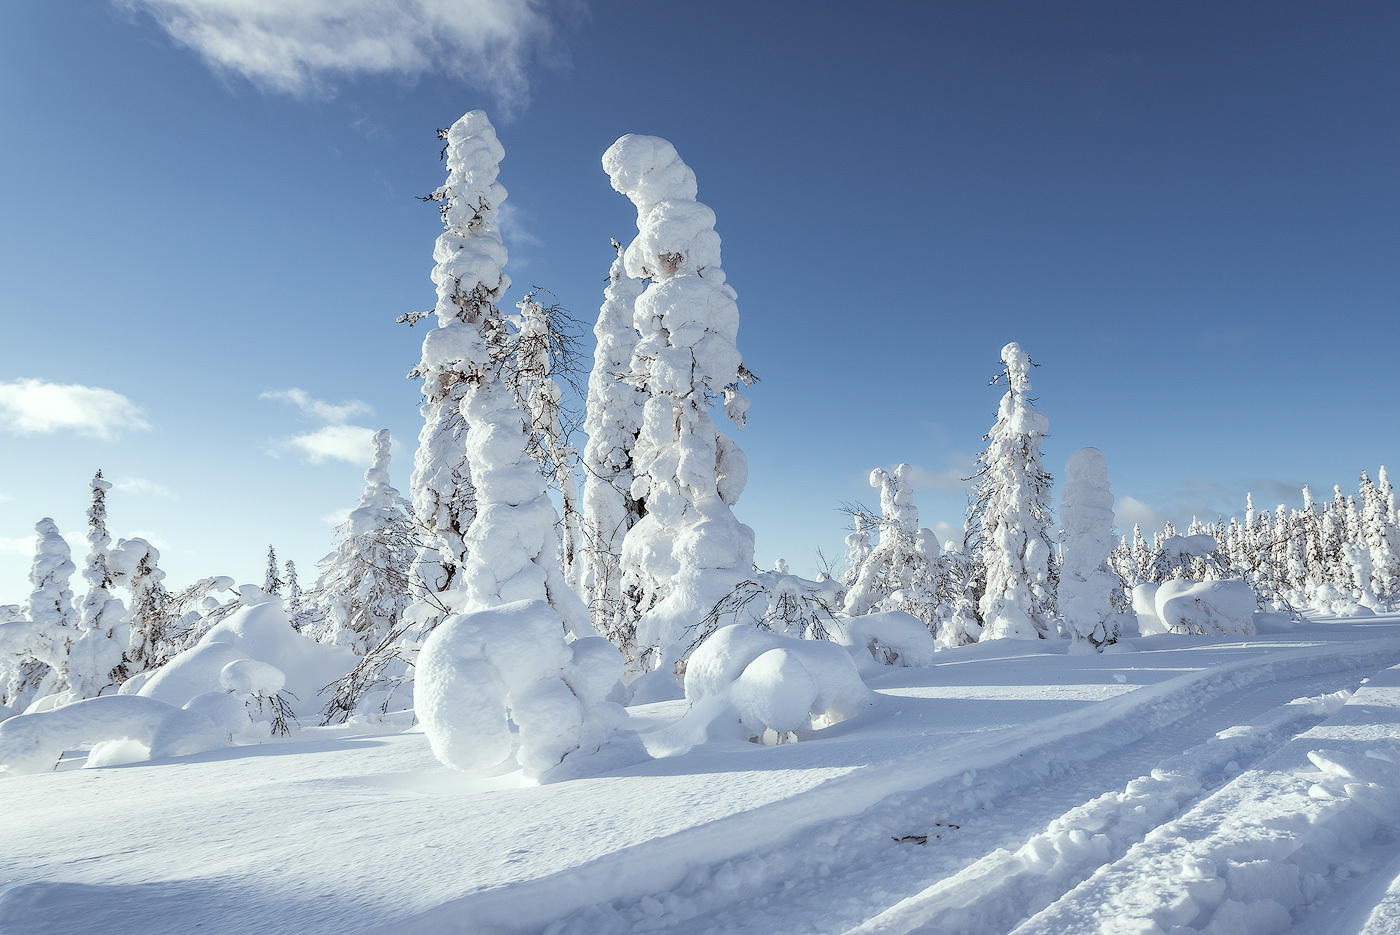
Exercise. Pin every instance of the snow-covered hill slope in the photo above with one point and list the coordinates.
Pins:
(1244, 784)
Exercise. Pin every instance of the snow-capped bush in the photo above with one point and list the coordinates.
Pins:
(478, 673)
(34, 743)
(755, 684)
(1199, 607)
(95, 657)
(890, 638)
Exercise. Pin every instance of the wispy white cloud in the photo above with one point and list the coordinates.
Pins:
(301, 46)
(336, 517)
(960, 466)
(36, 407)
(1129, 510)
(338, 442)
(326, 412)
(18, 545)
(139, 485)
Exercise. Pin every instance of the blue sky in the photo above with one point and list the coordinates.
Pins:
(1187, 213)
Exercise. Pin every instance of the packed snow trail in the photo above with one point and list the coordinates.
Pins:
(787, 866)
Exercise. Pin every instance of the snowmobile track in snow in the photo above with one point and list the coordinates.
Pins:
(823, 861)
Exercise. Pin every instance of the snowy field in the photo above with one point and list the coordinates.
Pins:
(1229, 784)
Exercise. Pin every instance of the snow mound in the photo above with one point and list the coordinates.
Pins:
(747, 682)
(890, 637)
(248, 652)
(1206, 607)
(34, 743)
(477, 673)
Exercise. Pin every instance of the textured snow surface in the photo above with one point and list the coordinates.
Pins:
(1223, 784)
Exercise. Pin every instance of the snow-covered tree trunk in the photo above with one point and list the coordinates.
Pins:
(1012, 513)
(613, 420)
(1087, 587)
(688, 551)
(506, 659)
(95, 659)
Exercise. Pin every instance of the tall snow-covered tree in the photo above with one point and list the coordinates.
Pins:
(95, 659)
(688, 551)
(294, 592)
(1087, 587)
(506, 658)
(1011, 513)
(612, 422)
(272, 576)
(363, 585)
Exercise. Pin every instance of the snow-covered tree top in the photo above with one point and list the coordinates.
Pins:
(378, 473)
(1016, 413)
(676, 232)
(469, 254)
(52, 558)
(1018, 367)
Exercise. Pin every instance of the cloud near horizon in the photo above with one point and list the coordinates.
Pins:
(37, 407)
(299, 47)
(351, 443)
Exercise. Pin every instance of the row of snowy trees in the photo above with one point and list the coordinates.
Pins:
(1329, 558)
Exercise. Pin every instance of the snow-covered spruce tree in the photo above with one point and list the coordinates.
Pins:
(613, 420)
(272, 577)
(95, 659)
(1011, 513)
(688, 551)
(1378, 538)
(35, 649)
(1087, 587)
(905, 570)
(959, 625)
(134, 565)
(364, 580)
(506, 659)
(293, 586)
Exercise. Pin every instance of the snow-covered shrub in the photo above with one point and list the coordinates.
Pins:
(133, 564)
(1200, 607)
(891, 638)
(754, 684)
(774, 600)
(34, 743)
(1087, 587)
(688, 551)
(34, 645)
(478, 673)
(1011, 513)
(887, 567)
(260, 632)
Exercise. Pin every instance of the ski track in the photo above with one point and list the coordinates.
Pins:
(1005, 839)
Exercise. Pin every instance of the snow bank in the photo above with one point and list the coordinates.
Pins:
(890, 637)
(477, 673)
(247, 653)
(752, 684)
(34, 743)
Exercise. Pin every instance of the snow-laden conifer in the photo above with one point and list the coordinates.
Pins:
(904, 570)
(34, 649)
(1011, 512)
(95, 659)
(293, 586)
(506, 660)
(613, 419)
(272, 575)
(134, 565)
(1087, 587)
(688, 551)
(363, 586)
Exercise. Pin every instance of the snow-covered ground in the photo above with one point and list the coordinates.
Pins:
(1240, 784)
